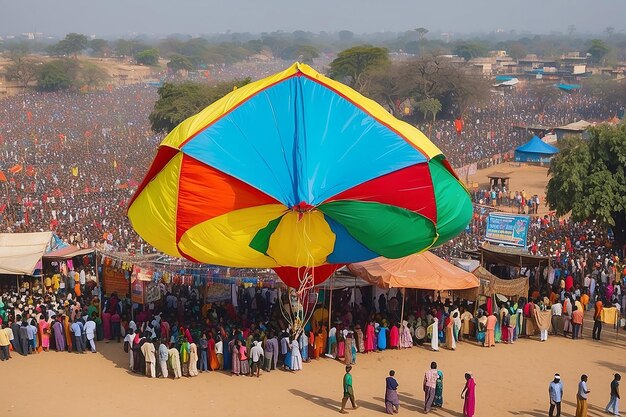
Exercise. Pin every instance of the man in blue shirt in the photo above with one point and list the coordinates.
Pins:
(76, 330)
(556, 395)
(32, 336)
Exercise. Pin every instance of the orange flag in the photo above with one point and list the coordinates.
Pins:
(15, 169)
(3, 178)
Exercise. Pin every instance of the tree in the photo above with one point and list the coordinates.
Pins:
(421, 32)
(72, 44)
(426, 77)
(92, 75)
(304, 53)
(129, 47)
(430, 106)
(588, 179)
(57, 75)
(346, 36)
(177, 102)
(598, 50)
(469, 50)
(99, 47)
(22, 68)
(610, 31)
(351, 64)
(517, 50)
(179, 62)
(148, 57)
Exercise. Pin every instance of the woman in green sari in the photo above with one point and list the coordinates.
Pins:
(438, 401)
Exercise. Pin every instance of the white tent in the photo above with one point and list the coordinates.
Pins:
(20, 252)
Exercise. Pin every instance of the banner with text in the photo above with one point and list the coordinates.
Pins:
(507, 229)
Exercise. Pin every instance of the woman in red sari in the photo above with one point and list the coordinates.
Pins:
(469, 393)
(394, 337)
(370, 337)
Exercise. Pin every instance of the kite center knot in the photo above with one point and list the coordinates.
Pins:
(301, 208)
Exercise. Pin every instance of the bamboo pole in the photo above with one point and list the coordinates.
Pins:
(330, 303)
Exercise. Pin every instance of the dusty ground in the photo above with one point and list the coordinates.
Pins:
(512, 380)
(531, 178)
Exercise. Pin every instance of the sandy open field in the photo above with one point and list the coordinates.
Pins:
(512, 380)
(530, 178)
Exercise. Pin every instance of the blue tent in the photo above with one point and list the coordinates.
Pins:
(569, 87)
(535, 150)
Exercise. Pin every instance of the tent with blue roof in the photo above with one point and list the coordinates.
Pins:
(535, 150)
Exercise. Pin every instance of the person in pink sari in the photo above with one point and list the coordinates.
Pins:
(394, 337)
(45, 334)
(406, 340)
(370, 337)
(106, 324)
(469, 393)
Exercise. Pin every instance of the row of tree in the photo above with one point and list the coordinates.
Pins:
(229, 48)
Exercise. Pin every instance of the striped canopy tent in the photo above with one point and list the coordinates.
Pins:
(297, 171)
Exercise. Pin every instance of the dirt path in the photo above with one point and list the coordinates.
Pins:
(511, 380)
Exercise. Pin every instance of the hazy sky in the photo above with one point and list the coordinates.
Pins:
(111, 17)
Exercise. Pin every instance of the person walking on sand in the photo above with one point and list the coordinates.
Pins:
(348, 391)
(469, 395)
(581, 397)
(430, 384)
(556, 395)
(613, 405)
(392, 403)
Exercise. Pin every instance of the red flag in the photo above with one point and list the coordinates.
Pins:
(458, 125)
(15, 169)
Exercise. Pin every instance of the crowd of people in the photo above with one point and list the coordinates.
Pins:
(494, 129)
(72, 161)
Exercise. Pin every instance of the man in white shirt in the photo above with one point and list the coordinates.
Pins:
(219, 351)
(90, 331)
(557, 311)
(148, 352)
(256, 353)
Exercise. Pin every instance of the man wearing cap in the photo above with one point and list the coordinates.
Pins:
(556, 395)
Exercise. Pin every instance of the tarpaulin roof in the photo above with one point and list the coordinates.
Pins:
(536, 145)
(20, 252)
(507, 83)
(338, 282)
(569, 87)
(490, 284)
(67, 252)
(576, 126)
(422, 271)
(493, 254)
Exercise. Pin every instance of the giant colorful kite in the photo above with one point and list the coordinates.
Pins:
(297, 170)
